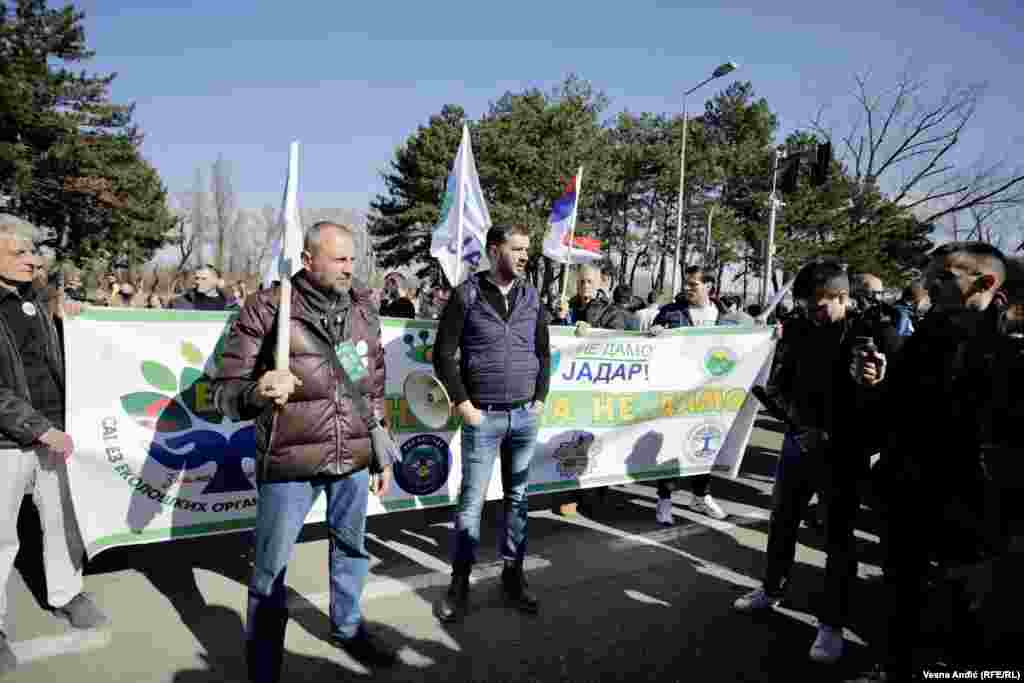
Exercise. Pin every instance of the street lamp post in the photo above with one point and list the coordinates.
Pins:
(770, 242)
(722, 70)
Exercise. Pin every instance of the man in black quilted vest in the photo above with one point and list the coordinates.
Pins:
(498, 384)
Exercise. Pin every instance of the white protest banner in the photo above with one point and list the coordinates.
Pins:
(154, 460)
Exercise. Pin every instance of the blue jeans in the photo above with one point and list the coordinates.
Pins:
(281, 512)
(514, 434)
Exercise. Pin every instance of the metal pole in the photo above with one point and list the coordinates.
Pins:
(707, 237)
(770, 245)
(679, 215)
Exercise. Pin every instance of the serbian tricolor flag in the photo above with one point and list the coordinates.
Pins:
(561, 243)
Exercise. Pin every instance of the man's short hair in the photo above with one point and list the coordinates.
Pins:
(860, 280)
(706, 278)
(652, 297)
(982, 254)
(824, 271)
(12, 226)
(499, 234)
(311, 240)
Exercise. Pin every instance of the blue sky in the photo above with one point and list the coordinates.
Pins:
(352, 80)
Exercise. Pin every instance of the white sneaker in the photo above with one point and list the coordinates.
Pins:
(755, 601)
(663, 513)
(710, 507)
(828, 646)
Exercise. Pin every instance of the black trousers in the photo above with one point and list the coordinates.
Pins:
(835, 477)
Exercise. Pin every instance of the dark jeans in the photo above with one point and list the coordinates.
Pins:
(700, 485)
(512, 434)
(797, 477)
(932, 520)
(281, 513)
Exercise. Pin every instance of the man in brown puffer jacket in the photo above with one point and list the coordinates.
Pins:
(313, 435)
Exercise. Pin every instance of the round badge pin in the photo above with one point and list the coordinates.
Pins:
(28, 308)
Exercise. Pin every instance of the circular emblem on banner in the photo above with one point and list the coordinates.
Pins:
(28, 308)
(720, 361)
(704, 441)
(426, 461)
(361, 347)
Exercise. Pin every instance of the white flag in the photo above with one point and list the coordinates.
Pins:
(464, 216)
(286, 252)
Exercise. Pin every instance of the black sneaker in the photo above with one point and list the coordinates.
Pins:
(513, 586)
(367, 649)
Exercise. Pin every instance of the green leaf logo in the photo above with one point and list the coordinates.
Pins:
(181, 400)
(159, 376)
(191, 353)
(156, 411)
(189, 376)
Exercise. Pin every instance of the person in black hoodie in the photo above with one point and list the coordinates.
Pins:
(827, 454)
(205, 294)
(938, 482)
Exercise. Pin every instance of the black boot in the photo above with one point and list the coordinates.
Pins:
(455, 603)
(264, 649)
(513, 585)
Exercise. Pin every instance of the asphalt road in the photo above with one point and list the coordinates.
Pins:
(622, 599)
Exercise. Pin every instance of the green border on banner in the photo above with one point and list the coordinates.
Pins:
(415, 503)
(163, 315)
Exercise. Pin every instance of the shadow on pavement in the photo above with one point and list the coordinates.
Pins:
(224, 626)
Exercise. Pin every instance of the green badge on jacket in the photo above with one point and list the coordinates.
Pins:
(351, 362)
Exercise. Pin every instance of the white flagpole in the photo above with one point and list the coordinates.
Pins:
(572, 229)
(283, 350)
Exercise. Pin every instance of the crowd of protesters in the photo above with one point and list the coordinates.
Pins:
(907, 407)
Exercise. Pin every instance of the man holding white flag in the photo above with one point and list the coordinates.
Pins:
(458, 239)
(318, 408)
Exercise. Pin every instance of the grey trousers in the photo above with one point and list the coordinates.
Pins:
(63, 551)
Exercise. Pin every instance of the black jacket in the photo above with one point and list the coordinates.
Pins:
(813, 380)
(596, 313)
(20, 424)
(945, 380)
(194, 301)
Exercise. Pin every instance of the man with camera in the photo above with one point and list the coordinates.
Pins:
(823, 451)
(950, 371)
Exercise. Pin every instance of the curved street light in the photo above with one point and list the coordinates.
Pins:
(720, 71)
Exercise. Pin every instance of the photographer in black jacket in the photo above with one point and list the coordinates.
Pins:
(827, 453)
(940, 505)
